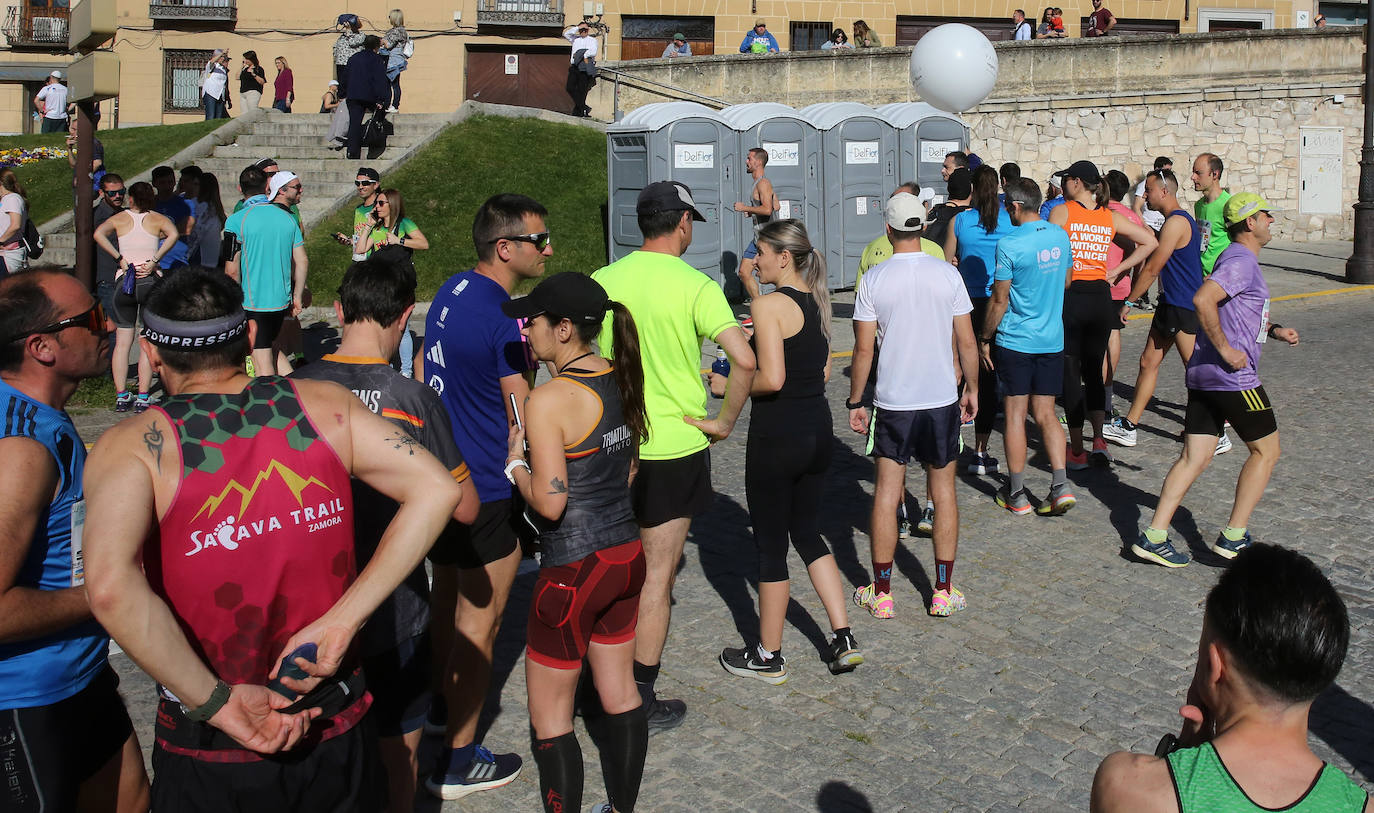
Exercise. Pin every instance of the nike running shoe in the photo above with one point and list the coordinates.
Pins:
(485, 772)
(603, 807)
(745, 662)
(1077, 461)
(1057, 502)
(124, 403)
(1099, 456)
(947, 602)
(1120, 431)
(1229, 548)
(1159, 553)
(926, 525)
(982, 463)
(844, 654)
(141, 403)
(665, 714)
(880, 605)
(1017, 503)
(1223, 444)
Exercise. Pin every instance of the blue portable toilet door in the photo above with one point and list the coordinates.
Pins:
(936, 138)
(867, 162)
(702, 155)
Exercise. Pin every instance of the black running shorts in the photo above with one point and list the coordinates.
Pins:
(930, 436)
(269, 326)
(592, 600)
(399, 682)
(490, 538)
(1171, 320)
(1029, 373)
(1249, 411)
(46, 752)
(664, 490)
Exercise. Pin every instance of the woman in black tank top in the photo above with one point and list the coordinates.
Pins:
(584, 430)
(789, 449)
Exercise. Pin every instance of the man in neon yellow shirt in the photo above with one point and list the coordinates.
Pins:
(1207, 211)
(881, 247)
(675, 308)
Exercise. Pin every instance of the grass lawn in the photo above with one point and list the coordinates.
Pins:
(128, 151)
(559, 165)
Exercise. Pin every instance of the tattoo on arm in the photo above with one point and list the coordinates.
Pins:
(400, 440)
(153, 440)
(557, 486)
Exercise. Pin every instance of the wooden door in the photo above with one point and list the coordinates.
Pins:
(631, 48)
(536, 78)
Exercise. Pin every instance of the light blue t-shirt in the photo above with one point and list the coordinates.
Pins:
(978, 250)
(1049, 206)
(265, 261)
(1036, 257)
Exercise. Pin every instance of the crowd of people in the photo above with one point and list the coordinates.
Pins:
(271, 577)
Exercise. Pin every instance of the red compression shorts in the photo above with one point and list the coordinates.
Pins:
(595, 599)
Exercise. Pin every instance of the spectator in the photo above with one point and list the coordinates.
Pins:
(252, 79)
(1020, 28)
(97, 161)
(1320, 21)
(51, 101)
(214, 87)
(678, 47)
(369, 90)
(1274, 636)
(350, 42)
(284, 87)
(393, 47)
(14, 208)
(330, 99)
(864, 37)
(391, 227)
(1058, 22)
(1100, 22)
(1048, 29)
(210, 217)
(581, 67)
(111, 203)
(838, 40)
(759, 40)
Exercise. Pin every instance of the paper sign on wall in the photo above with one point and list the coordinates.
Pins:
(861, 206)
(934, 152)
(784, 210)
(512, 64)
(783, 153)
(694, 156)
(861, 152)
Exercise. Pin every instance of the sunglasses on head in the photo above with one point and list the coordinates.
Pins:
(540, 240)
(93, 320)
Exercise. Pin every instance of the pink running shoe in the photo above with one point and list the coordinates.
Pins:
(880, 605)
(947, 602)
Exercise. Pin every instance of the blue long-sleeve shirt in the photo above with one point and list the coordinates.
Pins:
(746, 46)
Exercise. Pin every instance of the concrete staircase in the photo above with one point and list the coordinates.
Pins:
(297, 142)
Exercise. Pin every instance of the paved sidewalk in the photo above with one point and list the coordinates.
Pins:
(1068, 650)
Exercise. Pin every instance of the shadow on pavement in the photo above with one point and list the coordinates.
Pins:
(838, 797)
(1343, 722)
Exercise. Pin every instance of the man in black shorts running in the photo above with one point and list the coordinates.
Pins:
(376, 298)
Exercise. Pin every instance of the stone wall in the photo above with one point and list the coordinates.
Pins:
(1119, 102)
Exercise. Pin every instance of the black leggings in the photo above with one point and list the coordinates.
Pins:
(987, 379)
(784, 480)
(1087, 329)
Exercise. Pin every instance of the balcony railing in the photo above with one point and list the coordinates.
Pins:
(37, 28)
(218, 11)
(529, 13)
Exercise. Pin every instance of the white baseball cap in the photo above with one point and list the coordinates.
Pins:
(905, 212)
(56, 74)
(278, 181)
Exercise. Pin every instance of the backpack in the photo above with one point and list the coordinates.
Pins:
(32, 240)
(408, 48)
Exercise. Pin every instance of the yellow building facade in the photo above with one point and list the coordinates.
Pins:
(502, 51)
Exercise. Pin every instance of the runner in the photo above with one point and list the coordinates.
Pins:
(1209, 210)
(1088, 312)
(1118, 185)
(1025, 321)
(676, 308)
(789, 449)
(374, 304)
(584, 428)
(1224, 385)
(66, 737)
(219, 542)
(763, 202)
(914, 305)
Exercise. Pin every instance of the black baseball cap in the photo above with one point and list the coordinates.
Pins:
(667, 196)
(571, 295)
(370, 173)
(1085, 171)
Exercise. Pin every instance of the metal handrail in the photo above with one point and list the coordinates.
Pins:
(629, 77)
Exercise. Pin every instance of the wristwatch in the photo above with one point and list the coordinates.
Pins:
(512, 465)
(860, 405)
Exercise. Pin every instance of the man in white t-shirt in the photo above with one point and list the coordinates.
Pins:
(915, 306)
(1151, 218)
(51, 101)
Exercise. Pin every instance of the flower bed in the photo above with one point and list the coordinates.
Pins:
(19, 157)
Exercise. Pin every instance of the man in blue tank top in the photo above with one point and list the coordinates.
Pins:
(1274, 636)
(64, 731)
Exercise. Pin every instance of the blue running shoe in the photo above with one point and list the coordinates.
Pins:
(1229, 548)
(1160, 553)
(485, 772)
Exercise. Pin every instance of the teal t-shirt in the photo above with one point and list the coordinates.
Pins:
(265, 260)
(977, 249)
(1213, 225)
(1036, 257)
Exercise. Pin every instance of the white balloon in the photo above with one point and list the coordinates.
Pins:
(953, 67)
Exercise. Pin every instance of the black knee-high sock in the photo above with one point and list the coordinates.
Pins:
(623, 741)
(645, 677)
(560, 771)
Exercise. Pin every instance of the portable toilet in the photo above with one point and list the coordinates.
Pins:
(925, 135)
(677, 141)
(794, 160)
(859, 169)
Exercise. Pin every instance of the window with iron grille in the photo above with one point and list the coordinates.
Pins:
(810, 36)
(181, 72)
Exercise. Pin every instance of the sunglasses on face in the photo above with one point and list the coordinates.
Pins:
(364, 183)
(115, 193)
(93, 320)
(540, 240)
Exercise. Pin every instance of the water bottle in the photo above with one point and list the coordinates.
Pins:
(721, 366)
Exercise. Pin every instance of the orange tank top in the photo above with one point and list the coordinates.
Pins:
(1090, 237)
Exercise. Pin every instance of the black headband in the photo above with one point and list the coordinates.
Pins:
(196, 335)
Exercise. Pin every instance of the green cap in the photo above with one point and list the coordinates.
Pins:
(1244, 205)
(679, 36)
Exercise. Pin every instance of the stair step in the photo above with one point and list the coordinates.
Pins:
(284, 144)
(276, 129)
(336, 172)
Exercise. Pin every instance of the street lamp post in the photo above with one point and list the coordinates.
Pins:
(1360, 267)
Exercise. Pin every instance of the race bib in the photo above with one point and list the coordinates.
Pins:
(1264, 324)
(78, 556)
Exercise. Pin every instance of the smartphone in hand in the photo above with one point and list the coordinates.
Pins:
(342, 239)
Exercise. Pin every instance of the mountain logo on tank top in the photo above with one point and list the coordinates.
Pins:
(244, 524)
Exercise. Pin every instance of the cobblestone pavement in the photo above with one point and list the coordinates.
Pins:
(1068, 651)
